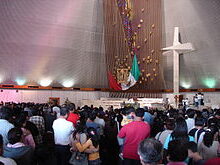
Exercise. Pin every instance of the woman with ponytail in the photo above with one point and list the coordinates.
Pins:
(209, 147)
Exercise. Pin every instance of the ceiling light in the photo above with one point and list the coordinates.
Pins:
(45, 82)
(186, 85)
(20, 81)
(68, 83)
(209, 82)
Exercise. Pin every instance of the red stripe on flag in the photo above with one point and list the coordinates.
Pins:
(113, 83)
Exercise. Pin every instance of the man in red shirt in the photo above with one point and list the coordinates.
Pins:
(73, 117)
(134, 133)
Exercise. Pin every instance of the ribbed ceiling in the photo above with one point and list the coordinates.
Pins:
(58, 40)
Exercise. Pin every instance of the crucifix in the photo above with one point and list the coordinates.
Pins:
(177, 48)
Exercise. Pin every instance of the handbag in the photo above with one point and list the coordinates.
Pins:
(78, 158)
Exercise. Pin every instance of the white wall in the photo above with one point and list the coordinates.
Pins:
(42, 96)
(210, 98)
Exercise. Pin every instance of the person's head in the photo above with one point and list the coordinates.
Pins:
(92, 134)
(14, 135)
(177, 151)
(56, 110)
(5, 113)
(190, 113)
(123, 111)
(139, 113)
(209, 136)
(180, 131)
(92, 116)
(150, 151)
(199, 121)
(71, 107)
(64, 112)
(130, 112)
(35, 112)
(170, 124)
(80, 128)
(1, 145)
(192, 148)
(217, 114)
(205, 113)
(212, 122)
(21, 120)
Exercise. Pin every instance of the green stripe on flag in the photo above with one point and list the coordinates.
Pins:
(135, 69)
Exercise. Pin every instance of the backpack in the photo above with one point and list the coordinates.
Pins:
(196, 133)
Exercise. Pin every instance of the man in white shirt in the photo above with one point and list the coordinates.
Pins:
(199, 96)
(196, 101)
(63, 130)
(190, 121)
(5, 126)
(185, 103)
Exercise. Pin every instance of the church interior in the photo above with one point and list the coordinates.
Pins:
(116, 58)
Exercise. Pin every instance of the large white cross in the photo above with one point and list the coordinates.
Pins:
(177, 48)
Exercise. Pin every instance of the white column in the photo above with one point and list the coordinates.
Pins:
(176, 76)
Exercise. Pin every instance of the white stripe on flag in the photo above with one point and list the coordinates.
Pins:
(130, 82)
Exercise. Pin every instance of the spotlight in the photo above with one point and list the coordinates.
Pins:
(45, 82)
(1, 79)
(186, 85)
(210, 82)
(68, 83)
(20, 81)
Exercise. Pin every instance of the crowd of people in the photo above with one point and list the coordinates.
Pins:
(44, 134)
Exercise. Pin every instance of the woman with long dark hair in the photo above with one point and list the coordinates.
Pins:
(91, 143)
(180, 132)
(79, 135)
(81, 130)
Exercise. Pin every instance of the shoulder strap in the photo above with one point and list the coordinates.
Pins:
(198, 133)
(192, 132)
(159, 135)
(196, 136)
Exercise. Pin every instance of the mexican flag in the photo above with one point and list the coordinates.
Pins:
(132, 78)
